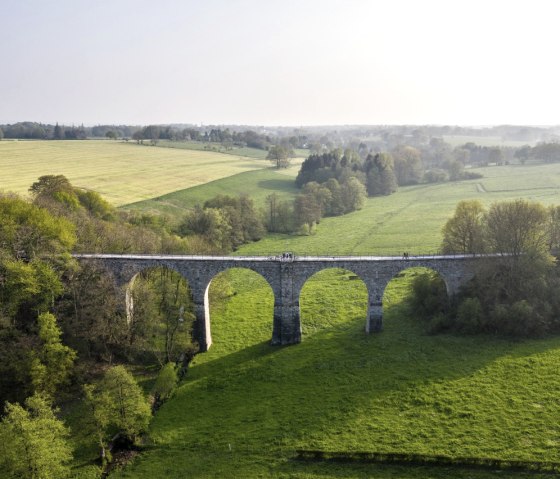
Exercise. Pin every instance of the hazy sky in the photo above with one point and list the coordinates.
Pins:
(280, 62)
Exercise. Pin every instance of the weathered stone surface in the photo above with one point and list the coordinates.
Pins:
(286, 275)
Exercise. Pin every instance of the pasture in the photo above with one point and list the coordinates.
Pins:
(121, 172)
(257, 184)
(217, 147)
(245, 407)
(411, 219)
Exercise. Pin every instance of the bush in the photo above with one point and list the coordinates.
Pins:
(470, 317)
(165, 384)
(429, 295)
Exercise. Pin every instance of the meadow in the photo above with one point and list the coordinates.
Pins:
(121, 172)
(410, 220)
(257, 184)
(246, 407)
(218, 147)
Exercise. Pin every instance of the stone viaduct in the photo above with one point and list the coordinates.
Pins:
(286, 275)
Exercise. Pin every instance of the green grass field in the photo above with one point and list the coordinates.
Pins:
(257, 184)
(411, 220)
(121, 172)
(217, 147)
(246, 407)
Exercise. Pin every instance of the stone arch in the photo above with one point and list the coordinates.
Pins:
(128, 283)
(408, 270)
(261, 281)
(348, 279)
(166, 319)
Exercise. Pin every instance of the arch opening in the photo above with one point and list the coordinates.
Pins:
(333, 299)
(160, 315)
(415, 296)
(240, 302)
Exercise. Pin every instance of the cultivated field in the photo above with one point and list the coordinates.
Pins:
(121, 172)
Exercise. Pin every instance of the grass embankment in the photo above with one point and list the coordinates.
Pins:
(121, 172)
(246, 406)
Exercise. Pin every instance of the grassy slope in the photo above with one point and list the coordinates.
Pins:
(411, 220)
(246, 406)
(257, 184)
(197, 145)
(121, 172)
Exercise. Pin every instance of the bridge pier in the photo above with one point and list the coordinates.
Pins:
(376, 288)
(201, 326)
(286, 328)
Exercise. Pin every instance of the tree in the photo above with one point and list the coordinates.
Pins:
(28, 231)
(381, 178)
(407, 165)
(523, 154)
(123, 404)
(98, 419)
(464, 232)
(165, 384)
(163, 315)
(112, 135)
(54, 188)
(553, 228)
(138, 136)
(52, 364)
(516, 227)
(353, 194)
(33, 442)
(1, 134)
(210, 223)
(307, 211)
(58, 132)
(280, 156)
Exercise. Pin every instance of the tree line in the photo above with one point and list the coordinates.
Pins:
(514, 293)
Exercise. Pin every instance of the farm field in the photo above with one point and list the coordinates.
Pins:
(246, 407)
(121, 172)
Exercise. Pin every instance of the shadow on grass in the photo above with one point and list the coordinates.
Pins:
(280, 184)
(244, 413)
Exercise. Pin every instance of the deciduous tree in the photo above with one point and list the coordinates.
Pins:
(464, 232)
(33, 442)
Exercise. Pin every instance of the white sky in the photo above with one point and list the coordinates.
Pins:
(280, 62)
